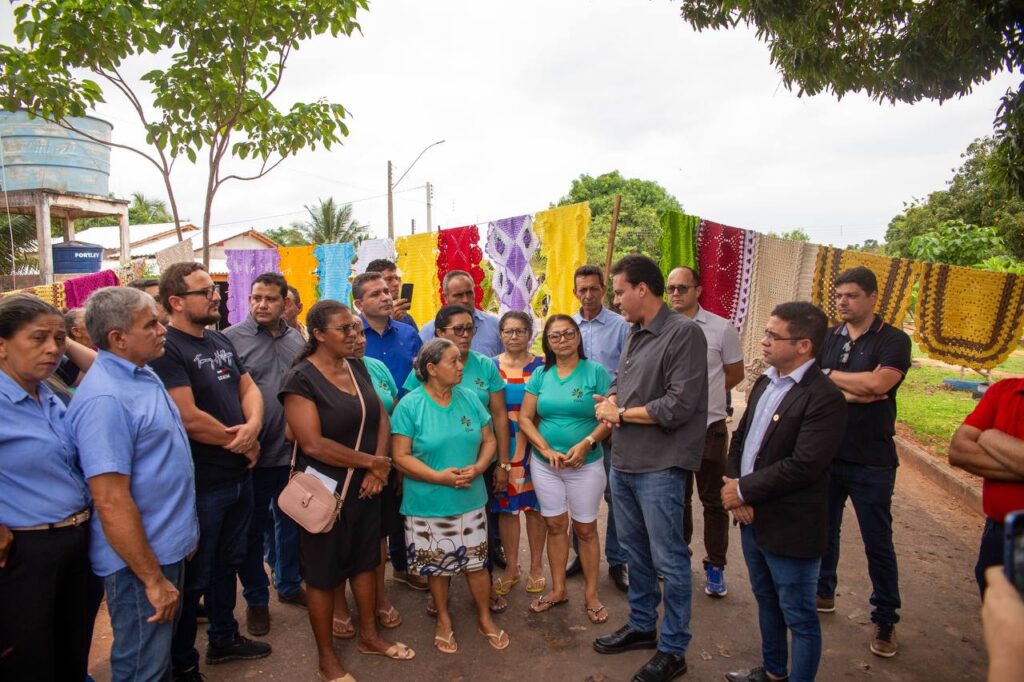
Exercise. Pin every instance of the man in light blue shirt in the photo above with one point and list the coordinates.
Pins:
(459, 289)
(135, 455)
(604, 336)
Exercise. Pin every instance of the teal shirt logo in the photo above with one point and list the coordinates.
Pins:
(383, 385)
(480, 383)
(467, 424)
(577, 394)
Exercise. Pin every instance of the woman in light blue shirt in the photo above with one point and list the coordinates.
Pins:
(45, 625)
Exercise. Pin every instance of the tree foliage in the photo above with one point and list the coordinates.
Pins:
(976, 196)
(794, 235)
(894, 50)
(643, 202)
(869, 246)
(224, 61)
(21, 230)
(328, 223)
(142, 210)
(957, 243)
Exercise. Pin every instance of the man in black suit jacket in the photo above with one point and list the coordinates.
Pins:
(777, 487)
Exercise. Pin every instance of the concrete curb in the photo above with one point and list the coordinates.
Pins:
(939, 472)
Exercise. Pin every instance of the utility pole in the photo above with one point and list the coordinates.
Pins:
(430, 196)
(391, 205)
(413, 225)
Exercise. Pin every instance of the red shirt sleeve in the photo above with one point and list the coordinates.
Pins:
(984, 415)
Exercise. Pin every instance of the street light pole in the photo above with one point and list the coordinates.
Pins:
(430, 197)
(393, 185)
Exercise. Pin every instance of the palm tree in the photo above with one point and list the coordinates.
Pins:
(22, 231)
(146, 211)
(329, 223)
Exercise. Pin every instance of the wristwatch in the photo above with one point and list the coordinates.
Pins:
(505, 465)
(622, 412)
(826, 371)
(593, 443)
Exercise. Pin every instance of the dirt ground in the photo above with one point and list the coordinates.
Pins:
(939, 634)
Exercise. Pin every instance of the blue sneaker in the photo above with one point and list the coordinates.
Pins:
(714, 585)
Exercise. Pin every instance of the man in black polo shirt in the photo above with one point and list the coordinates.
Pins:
(867, 359)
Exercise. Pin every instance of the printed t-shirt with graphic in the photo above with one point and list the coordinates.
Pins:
(442, 437)
(480, 375)
(565, 407)
(210, 367)
(383, 382)
(1001, 407)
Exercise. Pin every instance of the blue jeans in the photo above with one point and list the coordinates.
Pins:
(650, 526)
(223, 533)
(870, 489)
(784, 588)
(141, 651)
(267, 484)
(613, 552)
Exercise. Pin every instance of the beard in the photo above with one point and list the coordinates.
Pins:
(212, 317)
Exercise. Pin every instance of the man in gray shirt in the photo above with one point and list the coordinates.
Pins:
(267, 346)
(658, 402)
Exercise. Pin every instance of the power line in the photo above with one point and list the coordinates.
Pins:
(284, 215)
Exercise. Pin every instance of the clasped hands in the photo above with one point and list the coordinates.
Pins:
(731, 500)
(606, 410)
(457, 477)
(245, 441)
(376, 478)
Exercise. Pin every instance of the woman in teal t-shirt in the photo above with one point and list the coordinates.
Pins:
(443, 442)
(557, 417)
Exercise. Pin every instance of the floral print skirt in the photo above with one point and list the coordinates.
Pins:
(446, 545)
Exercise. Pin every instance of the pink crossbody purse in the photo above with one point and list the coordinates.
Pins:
(306, 499)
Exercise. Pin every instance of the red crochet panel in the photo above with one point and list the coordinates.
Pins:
(458, 249)
(725, 259)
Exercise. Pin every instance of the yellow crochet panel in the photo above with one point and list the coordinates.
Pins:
(896, 277)
(417, 261)
(298, 265)
(561, 232)
(969, 317)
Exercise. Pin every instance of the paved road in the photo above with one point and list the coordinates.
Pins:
(940, 634)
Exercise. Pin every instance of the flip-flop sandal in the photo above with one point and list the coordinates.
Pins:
(396, 652)
(449, 641)
(343, 629)
(541, 605)
(498, 604)
(503, 587)
(494, 639)
(431, 609)
(536, 585)
(389, 618)
(347, 677)
(596, 619)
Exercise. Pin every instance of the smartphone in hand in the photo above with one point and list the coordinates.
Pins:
(406, 292)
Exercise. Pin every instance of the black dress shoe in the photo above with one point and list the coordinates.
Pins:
(661, 668)
(755, 675)
(625, 639)
(620, 576)
(575, 568)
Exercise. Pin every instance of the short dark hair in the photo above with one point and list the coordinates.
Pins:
(144, 283)
(804, 320)
(446, 313)
(21, 309)
(693, 273)
(641, 269)
(316, 319)
(588, 270)
(549, 353)
(71, 317)
(295, 294)
(271, 279)
(861, 276)
(380, 265)
(361, 280)
(516, 315)
(172, 281)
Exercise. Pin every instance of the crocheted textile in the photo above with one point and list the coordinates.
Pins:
(77, 290)
(562, 232)
(417, 259)
(182, 252)
(298, 265)
(370, 250)
(511, 245)
(969, 317)
(245, 265)
(725, 258)
(895, 276)
(334, 268)
(51, 293)
(134, 270)
(678, 241)
(783, 271)
(458, 248)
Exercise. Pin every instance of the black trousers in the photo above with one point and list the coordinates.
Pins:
(45, 611)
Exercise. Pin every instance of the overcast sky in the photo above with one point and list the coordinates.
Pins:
(529, 95)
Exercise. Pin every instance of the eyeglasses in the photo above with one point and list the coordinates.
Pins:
(351, 328)
(208, 292)
(567, 334)
(679, 288)
(845, 357)
(773, 337)
(461, 330)
(514, 332)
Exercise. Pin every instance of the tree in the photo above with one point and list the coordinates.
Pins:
(643, 202)
(225, 60)
(976, 196)
(21, 231)
(895, 51)
(328, 223)
(141, 211)
(795, 235)
(957, 243)
(869, 246)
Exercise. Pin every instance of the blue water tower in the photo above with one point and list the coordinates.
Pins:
(76, 258)
(42, 155)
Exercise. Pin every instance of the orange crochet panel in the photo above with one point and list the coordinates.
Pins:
(969, 317)
(298, 265)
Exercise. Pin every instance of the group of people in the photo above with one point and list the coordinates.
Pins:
(158, 482)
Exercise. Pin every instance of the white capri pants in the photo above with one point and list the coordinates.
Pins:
(582, 489)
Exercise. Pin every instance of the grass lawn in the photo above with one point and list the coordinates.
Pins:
(932, 411)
